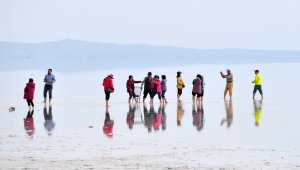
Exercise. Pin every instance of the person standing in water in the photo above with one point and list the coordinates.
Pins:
(29, 93)
(156, 89)
(180, 85)
(197, 90)
(130, 88)
(49, 80)
(257, 85)
(108, 87)
(229, 83)
(164, 89)
(147, 82)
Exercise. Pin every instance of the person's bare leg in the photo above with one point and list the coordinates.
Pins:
(225, 93)
(253, 96)
(107, 105)
(230, 94)
(193, 99)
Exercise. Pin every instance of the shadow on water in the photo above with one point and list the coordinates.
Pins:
(198, 116)
(180, 113)
(108, 124)
(29, 123)
(229, 113)
(49, 124)
(257, 104)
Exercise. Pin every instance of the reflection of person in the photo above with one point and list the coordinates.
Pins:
(108, 87)
(49, 80)
(147, 119)
(157, 119)
(29, 93)
(257, 85)
(130, 88)
(130, 116)
(108, 124)
(163, 117)
(29, 123)
(229, 114)
(257, 112)
(147, 82)
(180, 85)
(49, 123)
(229, 83)
(198, 118)
(180, 113)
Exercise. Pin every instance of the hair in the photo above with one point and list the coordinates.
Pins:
(163, 77)
(256, 71)
(149, 73)
(31, 80)
(130, 77)
(178, 74)
(50, 69)
(156, 76)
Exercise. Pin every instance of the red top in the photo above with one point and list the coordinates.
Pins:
(130, 84)
(108, 83)
(29, 91)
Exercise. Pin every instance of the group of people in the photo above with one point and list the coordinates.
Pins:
(151, 85)
(156, 86)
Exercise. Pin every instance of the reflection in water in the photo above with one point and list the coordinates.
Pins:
(134, 115)
(229, 113)
(108, 124)
(29, 123)
(257, 111)
(180, 113)
(198, 116)
(49, 123)
(163, 117)
(154, 119)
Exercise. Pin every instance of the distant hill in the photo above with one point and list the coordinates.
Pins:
(72, 55)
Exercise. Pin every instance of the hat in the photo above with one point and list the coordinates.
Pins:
(179, 72)
(111, 75)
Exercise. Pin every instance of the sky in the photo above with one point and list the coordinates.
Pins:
(202, 24)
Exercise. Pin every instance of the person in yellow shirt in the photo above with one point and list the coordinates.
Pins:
(257, 85)
(180, 85)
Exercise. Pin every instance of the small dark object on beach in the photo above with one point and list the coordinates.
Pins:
(11, 109)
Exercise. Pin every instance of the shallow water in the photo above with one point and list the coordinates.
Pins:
(240, 134)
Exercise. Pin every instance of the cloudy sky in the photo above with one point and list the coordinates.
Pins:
(213, 24)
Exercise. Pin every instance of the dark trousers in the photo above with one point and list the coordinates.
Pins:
(46, 89)
(30, 103)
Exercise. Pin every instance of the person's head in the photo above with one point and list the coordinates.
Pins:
(149, 74)
(256, 71)
(111, 76)
(130, 77)
(30, 80)
(156, 76)
(228, 71)
(198, 76)
(49, 71)
(163, 77)
(179, 73)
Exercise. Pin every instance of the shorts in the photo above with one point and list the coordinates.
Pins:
(146, 92)
(229, 87)
(257, 87)
(131, 94)
(179, 91)
(163, 93)
(107, 95)
(154, 93)
(198, 94)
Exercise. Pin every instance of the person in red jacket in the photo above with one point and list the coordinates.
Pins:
(108, 87)
(29, 93)
(130, 88)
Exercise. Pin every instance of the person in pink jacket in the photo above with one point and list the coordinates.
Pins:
(156, 89)
(108, 87)
(29, 93)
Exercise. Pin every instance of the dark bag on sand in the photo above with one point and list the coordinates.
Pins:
(109, 90)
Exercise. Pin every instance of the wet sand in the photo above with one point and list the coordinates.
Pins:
(77, 133)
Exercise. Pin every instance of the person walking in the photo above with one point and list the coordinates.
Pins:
(49, 80)
(164, 89)
(257, 85)
(108, 87)
(197, 90)
(29, 93)
(229, 83)
(147, 82)
(180, 85)
(130, 88)
(156, 89)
